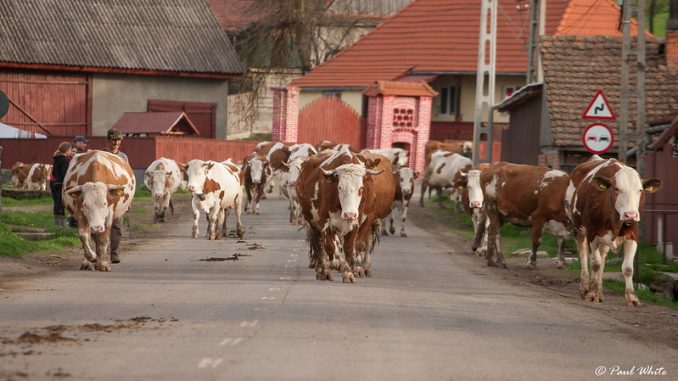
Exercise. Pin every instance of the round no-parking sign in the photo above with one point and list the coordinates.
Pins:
(597, 138)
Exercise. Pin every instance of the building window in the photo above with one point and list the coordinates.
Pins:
(332, 93)
(403, 118)
(508, 91)
(448, 100)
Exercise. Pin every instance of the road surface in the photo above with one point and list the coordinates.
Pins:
(178, 308)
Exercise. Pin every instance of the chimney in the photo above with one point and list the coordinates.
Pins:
(672, 36)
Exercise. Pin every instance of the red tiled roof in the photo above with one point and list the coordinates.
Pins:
(233, 15)
(442, 36)
(591, 18)
(412, 89)
(155, 123)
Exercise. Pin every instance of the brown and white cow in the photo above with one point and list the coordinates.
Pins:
(461, 147)
(98, 187)
(38, 177)
(524, 195)
(440, 172)
(216, 188)
(472, 202)
(257, 173)
(604, 201)
(20, 173)
(329, 145)
(333, 187)
(403, 180)
(163, 178)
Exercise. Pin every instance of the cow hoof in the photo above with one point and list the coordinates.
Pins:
(583, 290)
(103, 266)
(593, 296)
(403, 234)
(86, 266)
(391, 230)
(195, 233)
(334, 265)
(319, 275)
(359, 270)
(560, 264)
(368, 273)
(530, 265)
(632, 299)
(348, 277)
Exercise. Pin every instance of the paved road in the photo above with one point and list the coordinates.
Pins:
(429, 313)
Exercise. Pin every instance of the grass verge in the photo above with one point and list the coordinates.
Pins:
(15, 246)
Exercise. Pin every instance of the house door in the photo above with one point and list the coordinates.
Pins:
(328, 118)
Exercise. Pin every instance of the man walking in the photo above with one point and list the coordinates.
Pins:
(113, 143)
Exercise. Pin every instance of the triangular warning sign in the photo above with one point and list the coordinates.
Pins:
(599, 108)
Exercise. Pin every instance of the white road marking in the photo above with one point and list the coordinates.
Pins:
(294, 255)
(247, 323)
(268, 298)
(285, 278)
(290, 260)
(210, 362)
(231, 341)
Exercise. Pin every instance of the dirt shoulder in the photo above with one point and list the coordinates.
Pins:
(14, 271)
(656, 322)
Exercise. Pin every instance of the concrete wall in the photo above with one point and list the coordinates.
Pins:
(115, 94)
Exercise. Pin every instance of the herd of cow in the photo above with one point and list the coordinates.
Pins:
(344, 197)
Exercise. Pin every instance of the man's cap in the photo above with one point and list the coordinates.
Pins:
(80, 138)
(114, 134)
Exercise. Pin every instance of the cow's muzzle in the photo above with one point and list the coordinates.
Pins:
(631, 216)
(97, 229)
(475, 204)
(349, 216)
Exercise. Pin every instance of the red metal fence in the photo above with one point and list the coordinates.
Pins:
(328, 118)
(140, 150)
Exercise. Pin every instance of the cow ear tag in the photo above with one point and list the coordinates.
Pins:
(460, 187)
(119, 192)
(602, 186)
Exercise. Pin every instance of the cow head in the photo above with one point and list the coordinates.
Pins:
(626, 192)
(471, 181)
(96, 201)
(160, 180)
(197, 170)
(406, 178)
(293, 169)
(349, 179)
(258, 167)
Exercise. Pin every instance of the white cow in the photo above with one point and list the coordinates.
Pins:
(216, 187)
(441, 170)
(299, 153)
(163, 179)
(98, 187)
(397, 156)
(403, 178)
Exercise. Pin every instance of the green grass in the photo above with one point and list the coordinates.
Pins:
(14, 246)
(644, 295)
(10, 202)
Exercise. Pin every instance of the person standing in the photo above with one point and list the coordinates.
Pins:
(80, 142)
(113, 143)
(56, 182)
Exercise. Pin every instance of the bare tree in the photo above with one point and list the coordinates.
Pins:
(291, 34)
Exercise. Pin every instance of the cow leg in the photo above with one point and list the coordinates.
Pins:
(583, 249)
(196, 216)
(537, 230)
(322, 270)
(560, 246)
(391, 228)
(594, 293)
(171, 206)
(102, 241)
(239, 229)
(403, 218)
(213, 218)
(630, 247)
(439, 192)
(248, 199)
(348, 264)
(255, 206)
(221, 231)
(479, 226)
(86, 239)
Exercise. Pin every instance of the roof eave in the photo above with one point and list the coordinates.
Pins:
(521, 95)
(94, 69)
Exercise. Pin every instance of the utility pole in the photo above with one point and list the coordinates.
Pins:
(640, 89)
(535, 70)
(624, 91)
(485, 75)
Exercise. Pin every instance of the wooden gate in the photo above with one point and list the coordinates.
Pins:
(328, 118)
(47, 103)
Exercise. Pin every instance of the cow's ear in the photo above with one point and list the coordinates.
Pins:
(372, 163)
(415, 175)
(601, 183)
(652, 185)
